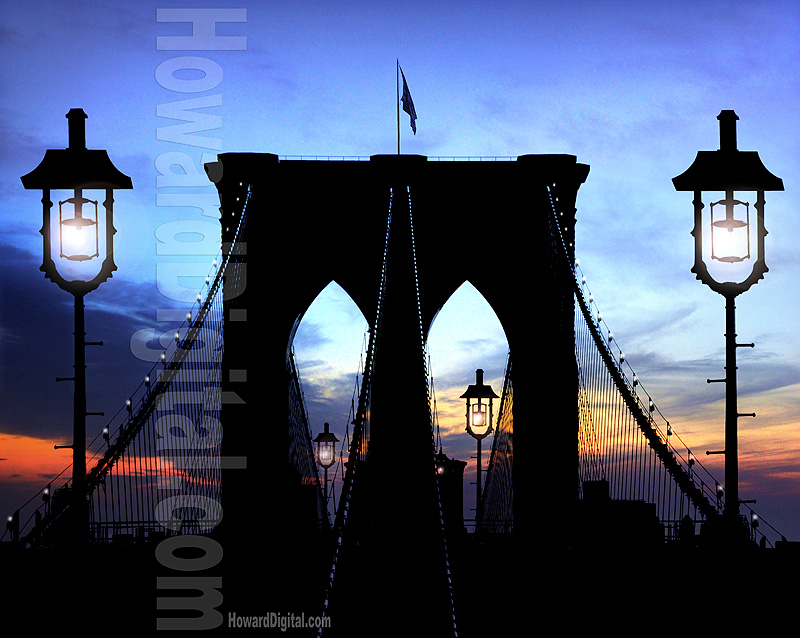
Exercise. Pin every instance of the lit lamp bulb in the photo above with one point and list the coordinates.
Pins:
(730, 238)
(79, 242)
(325, 455)
(478, 415)
(75, 238)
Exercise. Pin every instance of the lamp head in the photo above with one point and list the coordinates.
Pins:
(79, 235)
(479, 407)
(730, 259)
(326, 447)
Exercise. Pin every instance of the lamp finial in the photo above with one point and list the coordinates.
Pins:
(727, 130)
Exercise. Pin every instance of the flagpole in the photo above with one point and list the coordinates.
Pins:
(397, 87)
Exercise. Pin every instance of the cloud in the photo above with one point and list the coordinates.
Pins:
(124, 23)
(9, 35)
(328, 399)
(36, 319)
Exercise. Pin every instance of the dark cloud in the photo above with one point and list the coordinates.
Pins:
(309, 336)
(679, 385)
(328, 400)
(37, 323)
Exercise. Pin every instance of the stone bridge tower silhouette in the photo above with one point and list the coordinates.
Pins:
(311, 222)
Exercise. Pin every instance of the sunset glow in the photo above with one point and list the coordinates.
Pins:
(28, 463)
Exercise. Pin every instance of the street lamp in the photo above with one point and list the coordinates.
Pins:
(479, 424)
(70, 261)
(724, 260)
(326, 453)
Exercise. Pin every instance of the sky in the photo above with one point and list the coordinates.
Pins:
(630, 88)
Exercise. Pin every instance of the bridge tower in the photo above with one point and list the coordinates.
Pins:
(310, 222)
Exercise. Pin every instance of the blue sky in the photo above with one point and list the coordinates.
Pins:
(631, 88)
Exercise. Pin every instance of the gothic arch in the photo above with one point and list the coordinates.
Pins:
(465, 334)
(327, 342)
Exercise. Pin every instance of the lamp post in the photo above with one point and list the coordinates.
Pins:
(479, 425)
(83, 237)
(725, 260)
(326, 454)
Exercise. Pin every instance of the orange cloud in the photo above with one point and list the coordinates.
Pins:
(27, 459)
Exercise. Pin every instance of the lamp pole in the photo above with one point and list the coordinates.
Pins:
(479, 426)
(728, 170)
(79, 413)
(76, 168)
(326, 456)
(731, 412)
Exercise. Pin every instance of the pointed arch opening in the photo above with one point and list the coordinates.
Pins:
(328, 344)
(465, 335)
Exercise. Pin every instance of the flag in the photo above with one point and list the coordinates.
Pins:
(408, 104)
